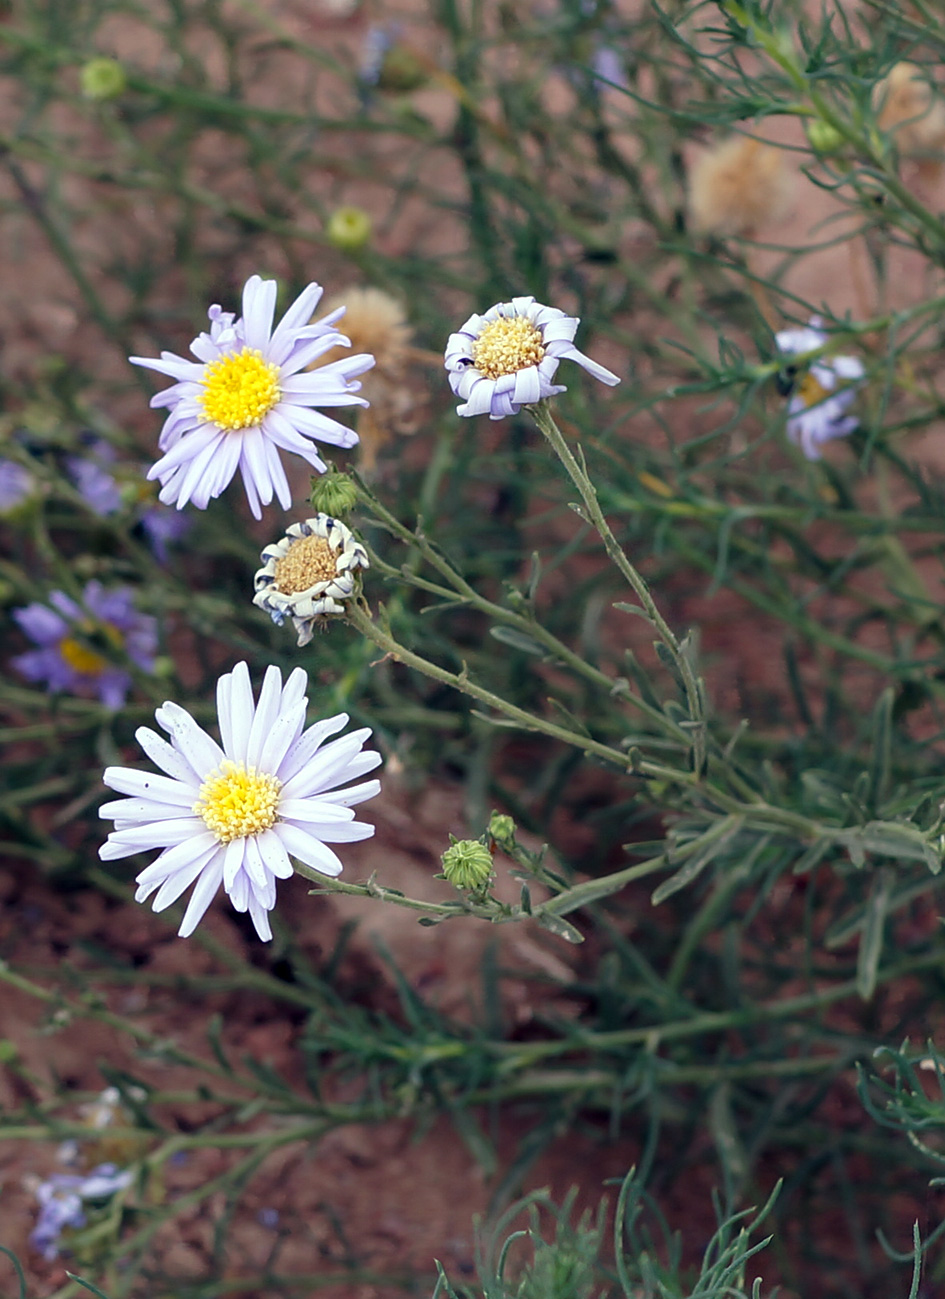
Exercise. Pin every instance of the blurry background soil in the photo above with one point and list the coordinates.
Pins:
(379, 1199)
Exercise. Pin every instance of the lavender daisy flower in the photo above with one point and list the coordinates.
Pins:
(232, 814)
(95, 483)
(66, 661)
(309, 573)
(817, 410)
(248, 395)
(507, 358)
(17, 484)
(61, 1198)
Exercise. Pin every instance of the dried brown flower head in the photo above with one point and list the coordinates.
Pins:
(375, 322)
(738, 186)
(908, 107)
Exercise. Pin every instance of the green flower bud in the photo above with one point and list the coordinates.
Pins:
(103, 79)
(502, 829)
(349, 228)
(823, 137)
(467, 864)
(334, 494)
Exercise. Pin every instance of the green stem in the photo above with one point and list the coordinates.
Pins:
(595, 515)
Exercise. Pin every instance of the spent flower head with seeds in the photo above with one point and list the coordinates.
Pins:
(817, 410)
(377, 323)
(911, 110)
(738, 186)
(247, 396)
(309, 573)
(234, 813)
(75, 643)
(507, 358)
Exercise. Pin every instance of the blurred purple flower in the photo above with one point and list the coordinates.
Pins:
(16, 484)
(61, 1197)
(101, 490)
(96, 485)
(65, 661)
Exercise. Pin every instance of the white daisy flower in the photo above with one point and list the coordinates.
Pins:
(507, 358)
(234, 814)
(248, 395)
(817, 410)
(308, 573)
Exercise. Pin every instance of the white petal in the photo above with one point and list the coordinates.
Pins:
(307, 849)
(353, 832)
(148, 785)
(311, 809)
(260, 917)
(306, 746)
(356, 794)
(202, 752)
(163, 755)
(273, 853)
(285, 732)
(329, 768)
(241, 712)
(233, 861)
(155, 874)
(175, 884)
(259, 305)
(202, 896)
(142, 838)
(266, 716)
(141, 811)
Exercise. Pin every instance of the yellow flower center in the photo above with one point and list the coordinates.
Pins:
(86, 661)
(239, 389)
(237, 801)
(811, 391)
(307, 561)
(506, 345)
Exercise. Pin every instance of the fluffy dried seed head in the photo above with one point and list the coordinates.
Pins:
(738, 186)
(908, 107)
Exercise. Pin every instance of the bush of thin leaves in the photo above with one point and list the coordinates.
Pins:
(601, 482)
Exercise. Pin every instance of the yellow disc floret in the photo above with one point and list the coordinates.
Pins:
(237, 801)
(86, 661)
(506, 345)
(307, 561)
(239, 389)
(81, 659)
(811, 391)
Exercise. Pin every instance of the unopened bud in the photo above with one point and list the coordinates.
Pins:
(823, 137)
(349, 228)
(502, 829)
(467, 864)
(334, 494)
(103, 78)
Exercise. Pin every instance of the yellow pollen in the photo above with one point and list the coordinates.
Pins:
(239, 389)
(86, 661)
(238, 801)
(506, 345)
(811, 391)
(307, 561)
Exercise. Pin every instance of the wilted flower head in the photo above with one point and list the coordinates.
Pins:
(247, 397)
(75, 642)
(61, 1198)
(232, 813)
(507, 358)
(739, 185)
(375, 322)
(908, 106)
(817, 410)
(308, 574)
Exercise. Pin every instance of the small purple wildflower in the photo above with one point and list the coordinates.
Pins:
(16, 484)
(61, 1197)
(102, 492)
(66, 662)
(96, 485)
